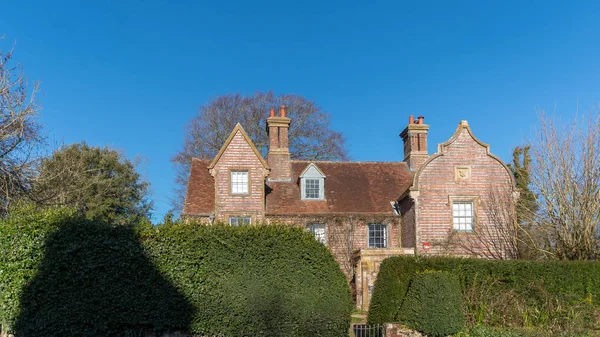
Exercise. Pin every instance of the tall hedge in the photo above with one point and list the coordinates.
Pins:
(64, 275)
(433, 304)
(254, 281)
(518, 293)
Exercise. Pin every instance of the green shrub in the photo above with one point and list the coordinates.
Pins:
(486, 331)
(64, 275)
(433, 304)
(391, 287)
(22, 239)
(67, 276)
(557, 295)
(254, 280)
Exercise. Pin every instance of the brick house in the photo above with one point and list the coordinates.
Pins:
(363, 211)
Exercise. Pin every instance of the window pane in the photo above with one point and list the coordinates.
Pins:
(240, 220)
(312, 188)
(463, 215)
(239, 182)
(319, 232)
(377, 236)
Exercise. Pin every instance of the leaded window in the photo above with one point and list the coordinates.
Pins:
(378, 236)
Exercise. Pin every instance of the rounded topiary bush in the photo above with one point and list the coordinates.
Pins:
(433, 304)
(254, 280)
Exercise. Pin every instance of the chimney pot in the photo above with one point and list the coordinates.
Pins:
(411, 119)
(421, 120)
(282, 111)
(272, 113)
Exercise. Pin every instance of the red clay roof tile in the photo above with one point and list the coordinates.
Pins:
(200, 194)
(350, 187)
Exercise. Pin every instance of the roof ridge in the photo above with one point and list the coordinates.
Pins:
(349, 162)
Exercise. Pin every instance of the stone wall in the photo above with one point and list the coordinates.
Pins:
(367, 262)
(397, 330)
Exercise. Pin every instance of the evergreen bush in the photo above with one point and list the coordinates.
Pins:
(433, 304)
(556, 295)
(254, 280)
(64, 275)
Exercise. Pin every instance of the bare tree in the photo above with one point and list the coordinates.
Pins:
(311, 137)
(19, 130)
(565, 176)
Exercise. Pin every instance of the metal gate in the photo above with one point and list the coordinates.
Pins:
(364, 330)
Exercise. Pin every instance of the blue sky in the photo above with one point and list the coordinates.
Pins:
(131, 74)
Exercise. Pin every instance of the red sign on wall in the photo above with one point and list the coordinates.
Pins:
(426, 245)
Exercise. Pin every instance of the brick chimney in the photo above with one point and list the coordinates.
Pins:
(278, 156)
(415, 142)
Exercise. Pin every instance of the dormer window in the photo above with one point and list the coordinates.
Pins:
(312, 183)
(312, 188)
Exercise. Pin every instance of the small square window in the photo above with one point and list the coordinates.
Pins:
(319, 232)
(378, 236)
(463, 216)
(240, 220)
(239, 182)
(312, 188)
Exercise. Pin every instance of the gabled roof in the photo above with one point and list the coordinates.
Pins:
(350, 187)
(236, 129)
(200, 194)
(317, 169)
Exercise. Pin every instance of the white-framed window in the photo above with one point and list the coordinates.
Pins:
(378, 235)
(240, 220)
(312, 183)
(463, 216)
(319, 231)
(239, 182)
(312, 188)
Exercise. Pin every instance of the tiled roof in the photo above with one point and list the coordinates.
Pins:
(350, 187)
(200, 195)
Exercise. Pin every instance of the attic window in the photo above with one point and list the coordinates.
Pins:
(312, 183)
(312, 189)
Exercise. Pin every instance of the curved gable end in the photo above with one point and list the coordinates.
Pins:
(456, 194)
(462, 143)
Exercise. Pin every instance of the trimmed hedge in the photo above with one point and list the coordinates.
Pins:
(254, 281)
(433, 304)
(63, 275)
(497, 293)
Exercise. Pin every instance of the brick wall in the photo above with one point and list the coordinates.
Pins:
(239, 156)
(464, 171)
(346, 234)
(407, 210)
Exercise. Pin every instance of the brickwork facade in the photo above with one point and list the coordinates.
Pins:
(462, 171)
(239, 156)
(411, 205)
